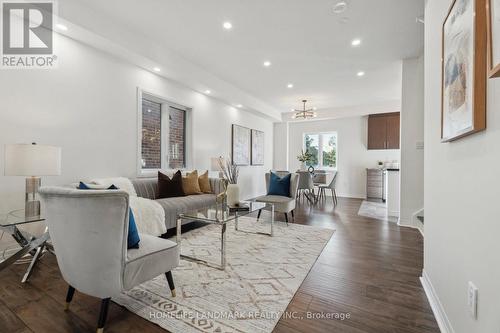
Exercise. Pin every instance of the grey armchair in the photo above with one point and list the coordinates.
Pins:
(89, 232)
(281, 204)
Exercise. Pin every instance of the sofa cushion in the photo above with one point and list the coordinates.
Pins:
(167, 187)
(204, 183)
(155, 255)
(178, 205)
(190, 183)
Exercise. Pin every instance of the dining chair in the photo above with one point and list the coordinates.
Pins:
(323, 187)
(89, 230)
(306, 186)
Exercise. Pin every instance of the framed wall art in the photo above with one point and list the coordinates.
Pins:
(464, 62)
(240, 150)
(493, 25)
(257, 147)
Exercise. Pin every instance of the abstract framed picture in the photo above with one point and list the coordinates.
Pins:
(257, 147)
(493, 25)
(240, 151)
(464, 73)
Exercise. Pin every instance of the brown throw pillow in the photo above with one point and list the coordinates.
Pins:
(168, 188)
(190, 183)
(204, 183)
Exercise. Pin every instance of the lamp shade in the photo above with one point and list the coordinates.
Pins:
(32, 160)
(214, 163)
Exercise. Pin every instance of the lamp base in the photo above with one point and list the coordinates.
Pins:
(32, 204)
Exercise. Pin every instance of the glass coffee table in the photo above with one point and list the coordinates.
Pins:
(10, 223)
(220, 214)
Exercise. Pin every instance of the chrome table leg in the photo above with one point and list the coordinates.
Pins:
(223, 247)
(272, 220)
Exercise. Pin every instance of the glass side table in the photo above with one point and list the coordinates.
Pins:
(29, 244)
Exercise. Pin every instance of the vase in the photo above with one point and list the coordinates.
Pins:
(303, 166)
(233, 195)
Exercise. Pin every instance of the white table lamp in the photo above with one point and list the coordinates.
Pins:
(215, 165)
(32, 161)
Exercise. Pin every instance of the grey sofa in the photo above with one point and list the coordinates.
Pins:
(148, 188)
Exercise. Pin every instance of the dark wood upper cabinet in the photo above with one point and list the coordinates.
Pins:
(383, 131)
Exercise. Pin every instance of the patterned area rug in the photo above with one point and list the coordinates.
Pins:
(262, 275)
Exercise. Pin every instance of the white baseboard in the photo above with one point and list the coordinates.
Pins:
(420, 226)
(437, 308)
(411, 224)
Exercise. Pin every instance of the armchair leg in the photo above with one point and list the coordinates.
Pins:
(258, 214)
(293, 215)
(69, 297)
(170, 281)
(286, 218)
(103, 314)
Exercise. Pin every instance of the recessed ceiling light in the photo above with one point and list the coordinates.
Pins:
(62, 27)
(292, 109)
(208, 92)
(267, 63)
(157, 69)
(340, 7)
(315, 108)
(361, 73)
(290, 85)
(356, 42)
(227, 25)
(239, 105)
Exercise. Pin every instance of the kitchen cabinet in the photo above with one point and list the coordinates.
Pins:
(383, 131)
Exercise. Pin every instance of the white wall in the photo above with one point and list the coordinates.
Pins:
(88, 106)
(462, 191)
(412, 129)
(353, 156)
(281, 141)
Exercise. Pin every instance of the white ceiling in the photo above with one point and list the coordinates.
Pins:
(306, 42)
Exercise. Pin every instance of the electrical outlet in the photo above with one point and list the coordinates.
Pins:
(472, 299)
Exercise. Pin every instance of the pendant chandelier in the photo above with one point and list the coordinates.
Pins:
(304, 113)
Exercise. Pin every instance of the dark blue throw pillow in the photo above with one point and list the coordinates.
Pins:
(133, 235)
(279, 185)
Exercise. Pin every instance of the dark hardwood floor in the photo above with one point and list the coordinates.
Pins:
(369, 271)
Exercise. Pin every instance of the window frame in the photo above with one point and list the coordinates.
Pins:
(166, 103)
(320, 165)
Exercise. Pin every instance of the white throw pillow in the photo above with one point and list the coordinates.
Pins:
(121, 182)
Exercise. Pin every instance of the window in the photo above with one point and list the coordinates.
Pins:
(323, 148)
(151, 134)
(163, 134)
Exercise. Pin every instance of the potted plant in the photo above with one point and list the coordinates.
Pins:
(303, 158)
(230, 173)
